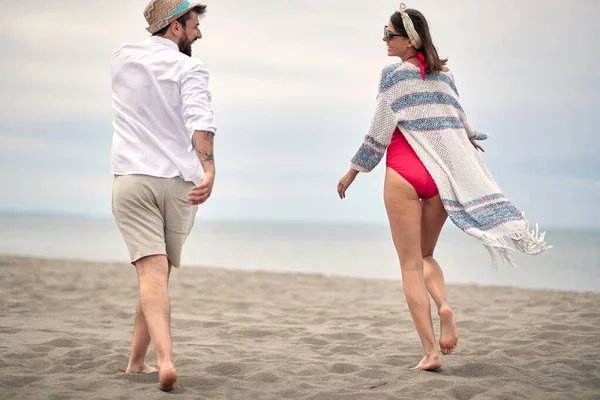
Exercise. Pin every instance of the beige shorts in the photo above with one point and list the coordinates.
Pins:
(153, 214)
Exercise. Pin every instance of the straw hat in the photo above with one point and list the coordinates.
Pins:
(160, 13)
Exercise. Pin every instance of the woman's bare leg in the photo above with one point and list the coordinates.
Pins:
(404, 213)
(433, 218)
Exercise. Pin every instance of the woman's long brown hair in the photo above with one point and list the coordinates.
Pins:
(434, 62)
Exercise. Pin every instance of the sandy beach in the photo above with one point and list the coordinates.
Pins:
(65, 329)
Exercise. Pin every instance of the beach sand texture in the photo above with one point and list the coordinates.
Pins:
(65, 330)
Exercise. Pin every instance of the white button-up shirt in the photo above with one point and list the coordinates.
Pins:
(160, 98)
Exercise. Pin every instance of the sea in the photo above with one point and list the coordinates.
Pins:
(359, 250)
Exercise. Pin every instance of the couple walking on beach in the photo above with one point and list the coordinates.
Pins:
(164, 167)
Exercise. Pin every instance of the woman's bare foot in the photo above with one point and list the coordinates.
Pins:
(430, 362)
(448, 335)
(140, 369)
(168, 379)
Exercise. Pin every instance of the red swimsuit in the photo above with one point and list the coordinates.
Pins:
(402, 158)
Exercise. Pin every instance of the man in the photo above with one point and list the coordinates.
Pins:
(163, 139)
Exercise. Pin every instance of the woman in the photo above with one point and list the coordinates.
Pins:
(433, 170)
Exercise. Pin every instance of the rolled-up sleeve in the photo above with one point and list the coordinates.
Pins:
(196, 101)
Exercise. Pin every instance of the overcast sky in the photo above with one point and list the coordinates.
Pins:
(294, 87)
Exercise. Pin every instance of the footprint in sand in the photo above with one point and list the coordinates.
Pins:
(61, 343)
(478, 370)
(343, 368)
(351, 336)
(314, 341)
(266, 377)
(227, 369)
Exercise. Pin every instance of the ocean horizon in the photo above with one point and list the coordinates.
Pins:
(343, 249)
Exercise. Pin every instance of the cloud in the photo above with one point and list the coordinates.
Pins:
(298, 52)
(293, 91)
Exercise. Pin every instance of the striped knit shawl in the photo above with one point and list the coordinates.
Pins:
(431, 118)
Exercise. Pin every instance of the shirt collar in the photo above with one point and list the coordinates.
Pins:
(164, 41)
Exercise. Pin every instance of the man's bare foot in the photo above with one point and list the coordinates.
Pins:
(143, 369)
(168, 379)
(430, 363)
(448, 335)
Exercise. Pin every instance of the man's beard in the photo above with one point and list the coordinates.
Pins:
(185, 46)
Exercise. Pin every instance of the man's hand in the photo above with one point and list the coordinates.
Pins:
(199, 194)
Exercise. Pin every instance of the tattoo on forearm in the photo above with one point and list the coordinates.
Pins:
(210, 137)
(205, 152)
(206, 156)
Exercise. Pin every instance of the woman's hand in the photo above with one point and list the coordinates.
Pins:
(477, 147)
(345, 182)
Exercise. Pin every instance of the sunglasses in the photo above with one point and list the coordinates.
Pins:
(389, 35)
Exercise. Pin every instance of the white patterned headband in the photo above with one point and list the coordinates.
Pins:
(414, 37)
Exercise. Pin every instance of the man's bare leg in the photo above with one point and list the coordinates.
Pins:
(153, 275)
(140, 343)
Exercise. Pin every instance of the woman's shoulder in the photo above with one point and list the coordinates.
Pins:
(390, 69)
(446, 72)
(394, 71)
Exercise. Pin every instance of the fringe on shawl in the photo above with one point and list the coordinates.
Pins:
(523, 240)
